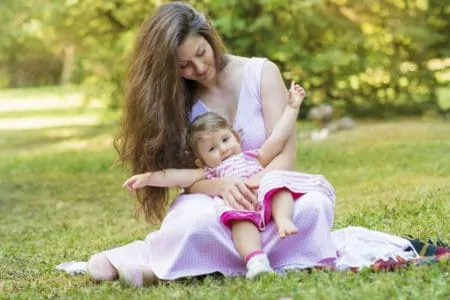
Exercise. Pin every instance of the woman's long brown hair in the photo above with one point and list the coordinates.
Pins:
(158, 100)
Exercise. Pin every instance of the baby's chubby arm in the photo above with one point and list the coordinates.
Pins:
(283, 127)
(164, 178)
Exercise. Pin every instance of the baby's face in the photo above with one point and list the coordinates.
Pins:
(215, 147)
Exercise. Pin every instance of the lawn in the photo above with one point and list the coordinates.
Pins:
(60, 200)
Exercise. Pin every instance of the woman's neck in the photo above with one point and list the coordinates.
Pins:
(216, 84)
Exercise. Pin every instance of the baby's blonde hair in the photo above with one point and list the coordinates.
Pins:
(207, 122)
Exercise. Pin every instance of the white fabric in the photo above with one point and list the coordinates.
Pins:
(358, 247)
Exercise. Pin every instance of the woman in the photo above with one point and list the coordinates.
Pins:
(178, 71)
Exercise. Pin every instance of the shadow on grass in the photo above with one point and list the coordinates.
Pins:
(36, 138)
(57, 111)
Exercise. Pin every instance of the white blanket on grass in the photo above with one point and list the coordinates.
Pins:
(357, 247)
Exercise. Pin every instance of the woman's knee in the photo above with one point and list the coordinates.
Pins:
(316, 203)
(100, 268)
(204, 220)
(200, 215)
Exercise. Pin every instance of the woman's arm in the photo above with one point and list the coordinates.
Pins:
(283, 127)
(274, 97)
(164, 178)
(233, 190)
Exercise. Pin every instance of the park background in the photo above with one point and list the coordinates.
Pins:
(385, 63)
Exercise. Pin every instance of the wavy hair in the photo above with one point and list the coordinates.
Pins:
(158, 100)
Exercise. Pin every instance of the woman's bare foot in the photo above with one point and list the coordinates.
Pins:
(137, 276)
(286, 227)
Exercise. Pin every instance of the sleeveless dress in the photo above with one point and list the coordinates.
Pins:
(192, 241)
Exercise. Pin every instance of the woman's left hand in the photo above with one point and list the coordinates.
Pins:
(253, 184)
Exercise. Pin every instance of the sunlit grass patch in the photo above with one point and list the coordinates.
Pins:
(61, 199)
(383, 164)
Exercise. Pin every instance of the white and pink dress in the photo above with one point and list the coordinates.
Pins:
(245, 165)
(192, 241)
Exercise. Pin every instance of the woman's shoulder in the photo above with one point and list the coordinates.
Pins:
(242, 61)
(238, 60)
(270, 73)
(270, 67)
(261, 65)
(236, 63)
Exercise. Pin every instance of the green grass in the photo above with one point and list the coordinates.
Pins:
(60, 200)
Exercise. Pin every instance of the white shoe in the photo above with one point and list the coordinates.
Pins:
(258, 265)
(73, 267)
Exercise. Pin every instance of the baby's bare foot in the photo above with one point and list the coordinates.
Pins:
(286, 227)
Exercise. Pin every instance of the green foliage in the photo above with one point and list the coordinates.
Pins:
(368, 58)
(25, 58)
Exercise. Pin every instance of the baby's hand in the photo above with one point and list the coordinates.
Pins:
(137, 181)
(296, 95)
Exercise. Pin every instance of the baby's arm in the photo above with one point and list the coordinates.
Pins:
(165, 178)
(284, 126)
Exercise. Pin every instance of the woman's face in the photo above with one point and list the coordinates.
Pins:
(196, 59)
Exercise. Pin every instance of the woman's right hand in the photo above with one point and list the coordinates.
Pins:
(236, 194)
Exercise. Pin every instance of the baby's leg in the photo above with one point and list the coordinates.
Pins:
(246, 237)
(282, 208)
(247, 240)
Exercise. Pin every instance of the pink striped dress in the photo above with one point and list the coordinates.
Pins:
(192, 241)
(245, 165)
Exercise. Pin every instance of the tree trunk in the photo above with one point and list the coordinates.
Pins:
(68, 64)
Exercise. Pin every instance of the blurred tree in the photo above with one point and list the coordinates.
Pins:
(96, 35)
(365, 57)
(25, 58)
